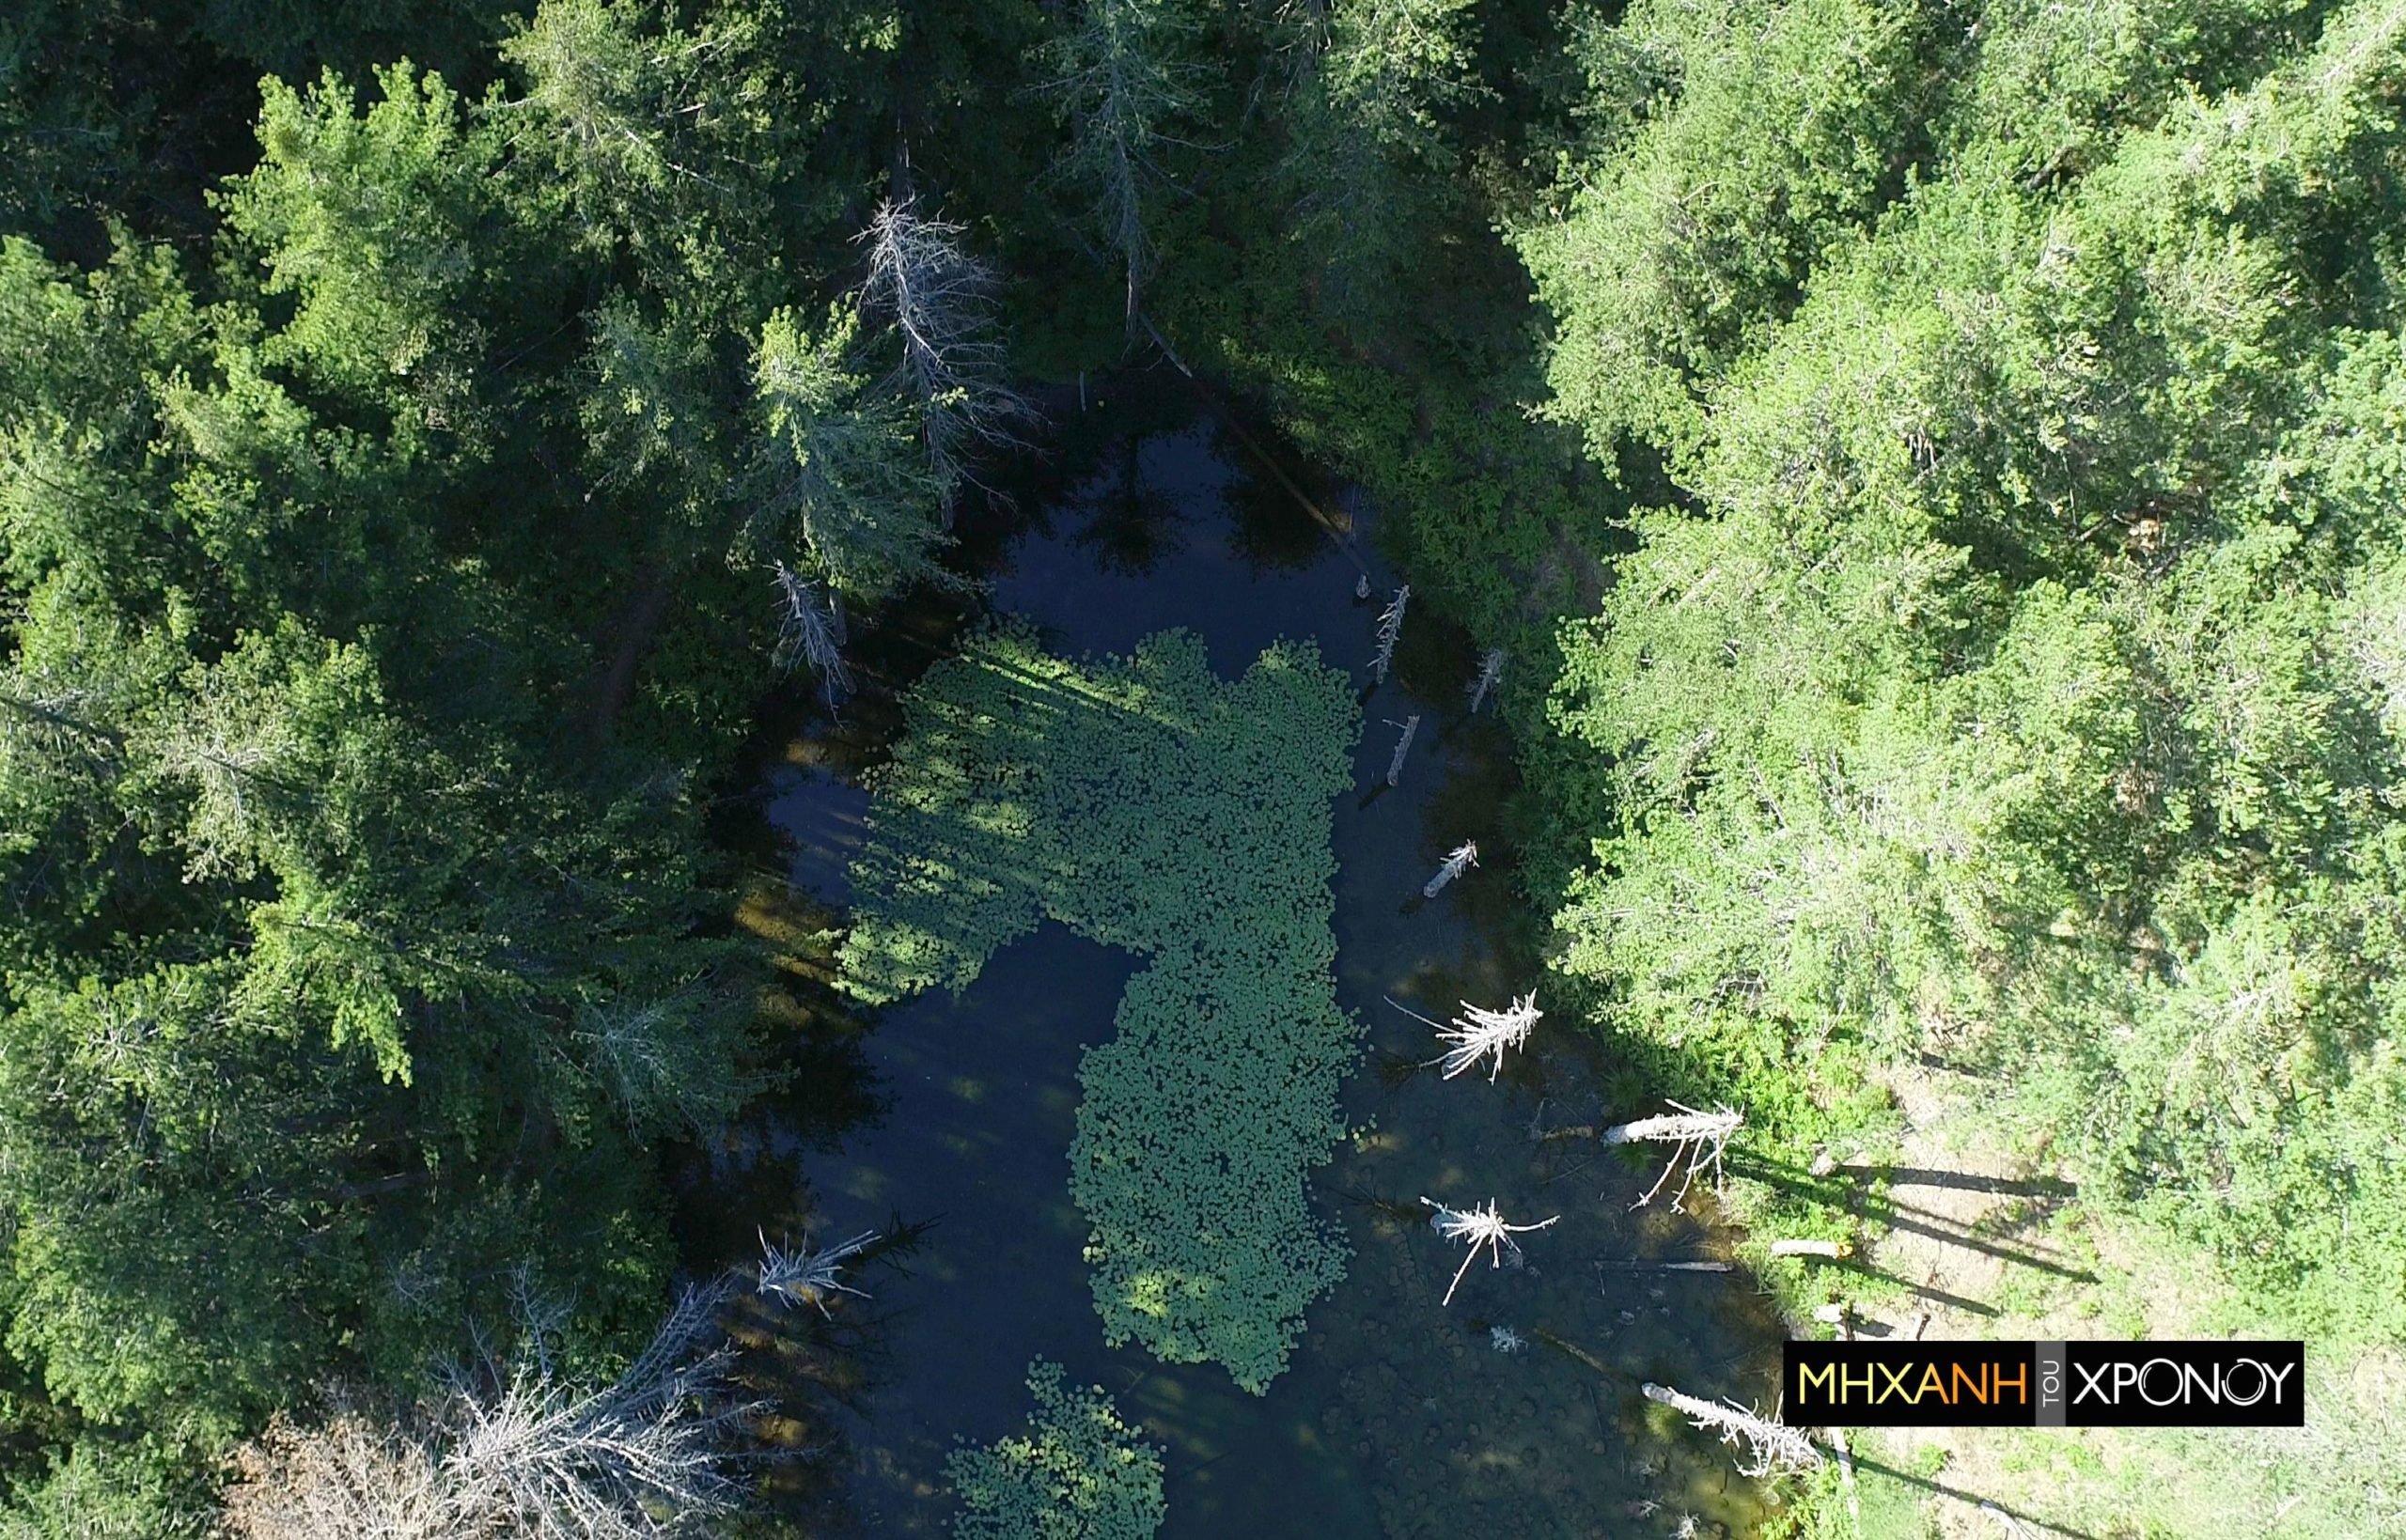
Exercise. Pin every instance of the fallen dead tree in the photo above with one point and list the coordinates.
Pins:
(1479, 1227)
(1766, 1447)
(1699, 1137)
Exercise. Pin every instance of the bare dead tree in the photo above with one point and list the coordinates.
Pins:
(652, 1051)
(516, 1453)
(518, 1450)
(643, 1456)
(941, 301)
(1477, 1227)
(1390, 632)
(1478, 1033)
(1457, 859)
(1767, 1447)
(812, 633)
(1700, 1137)
(354, 1476)
(1489, 668)
(243, 765)
(801, 1276)
(1410, 724)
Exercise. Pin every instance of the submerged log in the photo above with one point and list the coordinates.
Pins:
(1410, 724)
(1489, 668)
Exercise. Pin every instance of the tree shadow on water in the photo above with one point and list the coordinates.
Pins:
(1129, 523)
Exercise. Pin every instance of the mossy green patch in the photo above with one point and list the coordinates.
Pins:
(1149, 805)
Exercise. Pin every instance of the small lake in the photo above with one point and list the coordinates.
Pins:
(1397, 1417)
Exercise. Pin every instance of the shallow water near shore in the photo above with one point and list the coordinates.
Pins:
(1397, 1416)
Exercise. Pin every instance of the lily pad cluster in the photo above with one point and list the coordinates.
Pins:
(1079, 1474)
(1147, 804)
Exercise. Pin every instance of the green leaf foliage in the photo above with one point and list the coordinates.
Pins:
(1734, 142)
(2017, 684)
(1147, 805)
(371, 463)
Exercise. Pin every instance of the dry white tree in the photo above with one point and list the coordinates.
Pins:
(941, 301)
(517, 1453)
(520, 1451)
(802, 1276)
(1477, 1227)
(1700, 1137)
(1489, 668)
(1410, 724)
(659, 1053)
(353, 1477)
(1390, 632)
(812, 633)
(1478, 1033)
(1767, 1447)
(646, 1455)
(1457, 859)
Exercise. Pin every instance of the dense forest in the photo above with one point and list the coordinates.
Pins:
(1934, 471)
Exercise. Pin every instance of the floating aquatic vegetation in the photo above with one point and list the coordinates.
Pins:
(1146, 804)
(1079, 1474)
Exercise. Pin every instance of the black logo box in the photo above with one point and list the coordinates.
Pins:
(2043, 1384)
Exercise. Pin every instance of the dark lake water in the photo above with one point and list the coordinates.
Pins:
(1397, 1417)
